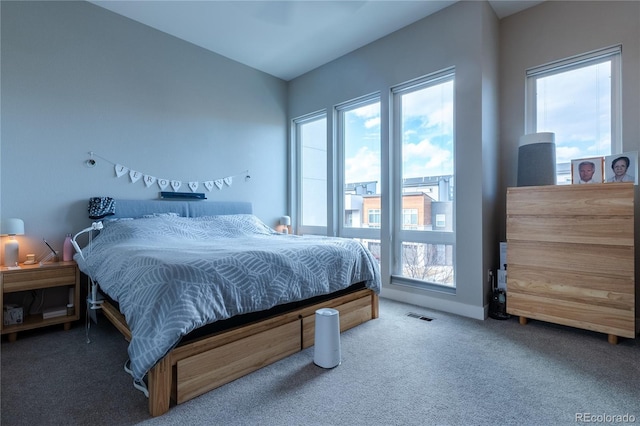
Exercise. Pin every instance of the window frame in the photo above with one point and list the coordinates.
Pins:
(433, 237)
(613, 53)
(372, 233)
(295, 125)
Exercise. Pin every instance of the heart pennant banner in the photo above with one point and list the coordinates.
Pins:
(135, 176)
(175, 184)
(121, 170)
(163, 183)
(149, 180)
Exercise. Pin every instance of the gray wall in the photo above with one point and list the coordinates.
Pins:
(556, 30)
(78, 78)
(464, 35)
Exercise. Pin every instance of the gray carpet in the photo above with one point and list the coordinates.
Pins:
(396, 370)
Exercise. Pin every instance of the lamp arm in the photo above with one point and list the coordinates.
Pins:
(94, 227)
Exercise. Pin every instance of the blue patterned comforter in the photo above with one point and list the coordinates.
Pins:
(172, 274)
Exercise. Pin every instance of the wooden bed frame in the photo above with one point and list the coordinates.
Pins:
(207, 362)
(196, 367)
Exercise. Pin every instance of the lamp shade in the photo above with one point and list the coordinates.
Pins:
(12, 226)
(285, 220)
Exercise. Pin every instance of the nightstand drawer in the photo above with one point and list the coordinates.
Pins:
(43, 277)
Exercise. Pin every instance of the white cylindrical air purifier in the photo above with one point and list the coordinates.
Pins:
(327, 338)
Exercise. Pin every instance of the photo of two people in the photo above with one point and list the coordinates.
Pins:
(610, 169)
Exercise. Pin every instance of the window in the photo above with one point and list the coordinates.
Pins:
(359, 141)
(423, 113)
(340, 191)
(374, 217)
(410, 218)
(311, 135)
(579, 100)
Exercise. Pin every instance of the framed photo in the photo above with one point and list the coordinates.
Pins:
(587, 170)
(621, 168)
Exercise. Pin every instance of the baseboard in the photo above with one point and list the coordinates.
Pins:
(425, 300)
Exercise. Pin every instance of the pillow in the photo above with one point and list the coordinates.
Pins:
(169, 214)
(100, 207)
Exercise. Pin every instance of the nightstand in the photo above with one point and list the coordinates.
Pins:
(36, 277)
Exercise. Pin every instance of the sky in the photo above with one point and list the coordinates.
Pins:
(574, 104)
(427, 136)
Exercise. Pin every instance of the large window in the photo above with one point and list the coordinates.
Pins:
(346, 162)
(424, 138)
(578, 99)
(359, 140)
(311, 136)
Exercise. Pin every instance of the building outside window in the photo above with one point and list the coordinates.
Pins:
(410, 218)
(374, 218)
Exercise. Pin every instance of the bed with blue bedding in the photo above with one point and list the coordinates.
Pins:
(173, 270)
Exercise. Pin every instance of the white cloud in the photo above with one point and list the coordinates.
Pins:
(367, 111)
(426, 159)
(372, 122)
(363, 167)
(565, 154)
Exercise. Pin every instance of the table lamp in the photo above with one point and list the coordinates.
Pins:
(11, 227)
(286, 221)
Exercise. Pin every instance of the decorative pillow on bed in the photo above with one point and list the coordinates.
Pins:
(238, 223)
(170, 214)
(100, 207)
(115, 219)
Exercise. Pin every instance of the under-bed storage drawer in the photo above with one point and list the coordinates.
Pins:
(351, 314)
(201, 373)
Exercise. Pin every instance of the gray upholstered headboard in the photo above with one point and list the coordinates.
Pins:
(191, 208)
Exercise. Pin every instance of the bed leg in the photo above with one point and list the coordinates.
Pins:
(160, 387)
(375, 313)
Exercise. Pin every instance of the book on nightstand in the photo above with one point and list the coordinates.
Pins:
(54, 312)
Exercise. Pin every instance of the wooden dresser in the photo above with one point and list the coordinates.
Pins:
(571, 256)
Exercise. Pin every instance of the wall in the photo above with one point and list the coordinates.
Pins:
(556, 30)
(464, 35)
(78, 78)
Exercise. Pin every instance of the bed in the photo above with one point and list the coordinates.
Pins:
(206, 293)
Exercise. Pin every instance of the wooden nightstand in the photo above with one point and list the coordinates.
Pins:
(36, 277)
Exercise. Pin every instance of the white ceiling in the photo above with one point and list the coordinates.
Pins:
(285, 38)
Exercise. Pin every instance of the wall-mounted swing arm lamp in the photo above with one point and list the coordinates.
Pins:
(95, 226)
(93, 301)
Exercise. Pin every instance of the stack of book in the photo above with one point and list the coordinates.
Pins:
(57, 311)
